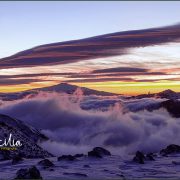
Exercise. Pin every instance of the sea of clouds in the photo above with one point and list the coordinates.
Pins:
(74, 130)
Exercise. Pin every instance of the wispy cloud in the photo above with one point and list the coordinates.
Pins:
(16, 81)
(149, 55)
(35, 75)
(91, 48)
(120, 69)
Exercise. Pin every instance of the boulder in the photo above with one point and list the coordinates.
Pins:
(46, 163)
(172, 106)
(86, 166)
(172, 148)
(78, 155)
(5, 155)
(66, 158)
(121, 176)
(76, 174)
(139, 157)
(99, 152)
(175, 163)
(150, 157)
(31, 173)
(17, 159)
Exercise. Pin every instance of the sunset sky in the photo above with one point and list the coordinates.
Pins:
(133, 62)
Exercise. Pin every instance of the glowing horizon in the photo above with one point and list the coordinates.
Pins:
(123, 88)
(125, 62)
(139, 74)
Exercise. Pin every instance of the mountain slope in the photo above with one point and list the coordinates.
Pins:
(28, 136)
(168, 94)
(70, 89)
(59, 88)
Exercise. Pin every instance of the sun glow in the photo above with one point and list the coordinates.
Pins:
(160, 59)
(132, 88)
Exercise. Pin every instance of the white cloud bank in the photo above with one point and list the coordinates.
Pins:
(76, 131)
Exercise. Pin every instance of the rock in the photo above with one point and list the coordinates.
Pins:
(150, 157)
(173, 148)
(99, 152)
(78, 155)
(172, 106)
(64, 167)
(18, 132)
(66, 157)
(86, 166)
(94, 154)
(102, 151)
(5, 155)
(46, 163)
(31, 173)
(122, 176)
(17, 159)
(139, 157)
(105, 170)
(76, 174)
(176, 163)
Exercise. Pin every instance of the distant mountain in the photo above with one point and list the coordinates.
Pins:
(70, 89)
(28, 136)
(173, 107)
(172, 104)
(59, 88)
(168, 94)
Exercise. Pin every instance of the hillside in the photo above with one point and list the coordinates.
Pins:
(59, 88)
(28, 136)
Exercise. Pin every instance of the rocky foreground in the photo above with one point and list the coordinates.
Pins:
(97, 164)
(30, 161)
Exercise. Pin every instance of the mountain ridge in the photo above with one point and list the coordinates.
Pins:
(168, 93)
(59, 88)
(27, 135)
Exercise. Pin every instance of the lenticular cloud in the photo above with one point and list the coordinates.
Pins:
(72, 129)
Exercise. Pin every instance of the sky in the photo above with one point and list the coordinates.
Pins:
(28, 24)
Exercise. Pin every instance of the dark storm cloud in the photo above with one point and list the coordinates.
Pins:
(90, 48)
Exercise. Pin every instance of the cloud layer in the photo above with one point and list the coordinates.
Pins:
(60, 117)
(91, 48)
(139, 56)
